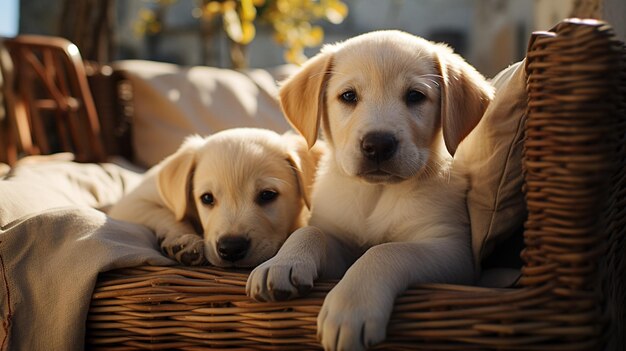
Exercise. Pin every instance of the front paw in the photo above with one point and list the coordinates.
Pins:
(352, 319)
(281, 278)
(187, 249)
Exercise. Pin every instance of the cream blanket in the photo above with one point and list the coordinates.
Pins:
(53, 244)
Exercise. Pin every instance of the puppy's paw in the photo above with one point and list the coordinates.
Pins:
(281, 278)
(187, 249)
(349, 320)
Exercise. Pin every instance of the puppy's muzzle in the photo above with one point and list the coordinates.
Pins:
(379, 146)
(233, 247)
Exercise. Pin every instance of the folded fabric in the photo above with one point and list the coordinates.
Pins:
(53, 245)
(60, 183)
(49, 265)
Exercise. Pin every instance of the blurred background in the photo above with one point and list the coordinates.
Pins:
(124, 42)
(491, 34)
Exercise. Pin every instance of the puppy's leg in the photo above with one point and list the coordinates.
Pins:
(187, 249)
(355, 313)
(307, 254)
(178, 240)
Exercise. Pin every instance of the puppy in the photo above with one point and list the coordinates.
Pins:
(388, 210)
(231, 198)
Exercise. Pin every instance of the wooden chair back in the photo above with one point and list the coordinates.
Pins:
(50, 107)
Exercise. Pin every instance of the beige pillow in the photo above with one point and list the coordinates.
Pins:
(35, 186)
(171, 102)
(492, 153)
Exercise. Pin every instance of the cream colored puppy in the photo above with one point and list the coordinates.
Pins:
(388, 210)
(231, 198)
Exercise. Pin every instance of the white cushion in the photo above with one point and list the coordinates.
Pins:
(171, 102)
(492, 153)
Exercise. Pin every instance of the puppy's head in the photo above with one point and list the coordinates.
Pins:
(245, 189)
(388, 102)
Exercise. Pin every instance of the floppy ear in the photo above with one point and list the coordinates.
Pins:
(302, 96)
(465, 95)
(174, 177)
(304, 161)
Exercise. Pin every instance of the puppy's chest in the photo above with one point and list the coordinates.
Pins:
(372, 216)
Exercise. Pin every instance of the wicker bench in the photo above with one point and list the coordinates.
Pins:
(572, 293)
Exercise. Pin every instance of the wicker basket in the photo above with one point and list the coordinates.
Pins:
(571, 295)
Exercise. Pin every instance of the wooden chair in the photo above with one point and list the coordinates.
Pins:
(50, 107)
(572, 294)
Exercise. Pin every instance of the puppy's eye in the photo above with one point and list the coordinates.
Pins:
(348, 97)
(207, 199)
(414, 97)
(266, 196)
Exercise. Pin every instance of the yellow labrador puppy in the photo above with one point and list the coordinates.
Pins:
(388, 210)
(231, 198)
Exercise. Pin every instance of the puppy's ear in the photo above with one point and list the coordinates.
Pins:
(304, 162)
(302, 96)
(174, 177)
(465, 95)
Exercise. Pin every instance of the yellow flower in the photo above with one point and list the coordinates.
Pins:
(291, 20)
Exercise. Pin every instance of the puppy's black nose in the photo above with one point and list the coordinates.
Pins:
(233, 247)
(379, 146)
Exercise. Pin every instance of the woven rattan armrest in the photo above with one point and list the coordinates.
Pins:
(571, 295)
